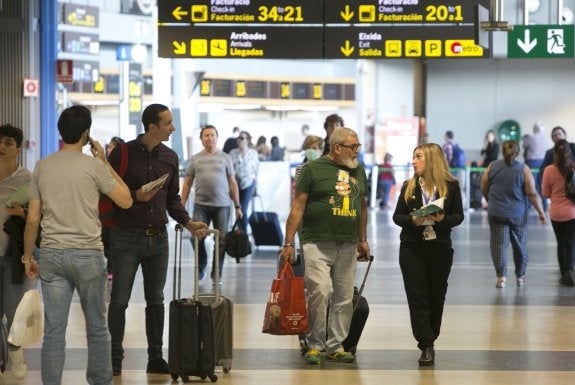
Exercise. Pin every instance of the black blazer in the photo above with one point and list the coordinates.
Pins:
(453, 209)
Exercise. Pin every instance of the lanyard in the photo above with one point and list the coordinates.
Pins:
(426, 198)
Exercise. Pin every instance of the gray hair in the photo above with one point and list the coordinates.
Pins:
(339, 135)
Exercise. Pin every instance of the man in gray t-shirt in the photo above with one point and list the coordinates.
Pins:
(212, 173)
(63, 195)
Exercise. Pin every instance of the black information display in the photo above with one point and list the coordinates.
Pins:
(318, 29)
(240, 11)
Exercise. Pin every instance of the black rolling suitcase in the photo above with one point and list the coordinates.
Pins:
(358, 320)
(191, 350)
(266, 228)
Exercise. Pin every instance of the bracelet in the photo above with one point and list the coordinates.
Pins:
(26, 260)
(238, 207)
(289, 245)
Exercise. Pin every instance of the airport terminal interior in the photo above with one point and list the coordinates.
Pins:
(515, 335)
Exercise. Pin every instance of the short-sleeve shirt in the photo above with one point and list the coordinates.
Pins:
(210, 175)
(69, 185)
(333, 207)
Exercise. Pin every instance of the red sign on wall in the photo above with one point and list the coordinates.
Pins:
(64, 71)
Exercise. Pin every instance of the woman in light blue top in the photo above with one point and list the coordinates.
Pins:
(246, 165)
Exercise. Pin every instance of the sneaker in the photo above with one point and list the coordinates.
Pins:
(341, 356)
(500, 283)
(313, 356)
(521, 281)
(158, 366)
(19, 369)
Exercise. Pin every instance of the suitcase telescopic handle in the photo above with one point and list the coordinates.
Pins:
(216, 234)
(369, 261)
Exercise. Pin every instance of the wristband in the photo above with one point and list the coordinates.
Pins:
(238, 207)
(288, 245)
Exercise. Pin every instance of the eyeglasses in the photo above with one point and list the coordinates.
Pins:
(353, 147)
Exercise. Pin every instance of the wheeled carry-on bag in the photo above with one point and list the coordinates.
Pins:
(200, 334)
(265, 225)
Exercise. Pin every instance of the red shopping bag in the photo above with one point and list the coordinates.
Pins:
(286, 311)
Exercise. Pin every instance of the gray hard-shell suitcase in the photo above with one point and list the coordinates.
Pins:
(223, 308)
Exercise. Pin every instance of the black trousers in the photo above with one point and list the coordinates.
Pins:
(565, 234)
(425, 267)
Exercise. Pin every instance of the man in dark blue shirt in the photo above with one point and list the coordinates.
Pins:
(141, 238)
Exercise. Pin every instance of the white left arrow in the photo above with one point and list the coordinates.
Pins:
(527, 44)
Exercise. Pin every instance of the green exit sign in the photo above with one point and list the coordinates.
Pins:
(540, 41)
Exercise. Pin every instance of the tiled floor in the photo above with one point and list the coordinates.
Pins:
(516, 335)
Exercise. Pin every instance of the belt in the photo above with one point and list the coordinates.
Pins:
(150, 232)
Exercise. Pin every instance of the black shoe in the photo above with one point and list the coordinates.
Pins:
(427, 357)
(158, 366)
(116, 367)
(568, 279)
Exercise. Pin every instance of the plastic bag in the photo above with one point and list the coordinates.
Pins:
(28, 324)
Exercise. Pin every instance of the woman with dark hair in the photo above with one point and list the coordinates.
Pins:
(491, 150)
(508, 187)
(562, 209)
(425, 251)
(115, 141)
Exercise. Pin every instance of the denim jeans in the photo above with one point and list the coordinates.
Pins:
(245, 199)
(329, 279)
(10, 294)
(132, 249)
(220, 216)
(60, 272)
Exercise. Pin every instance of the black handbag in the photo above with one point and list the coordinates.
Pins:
(237, 242)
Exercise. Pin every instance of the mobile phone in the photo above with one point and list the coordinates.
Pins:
(91, 141)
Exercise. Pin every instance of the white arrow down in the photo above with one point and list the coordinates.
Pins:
(527, 44)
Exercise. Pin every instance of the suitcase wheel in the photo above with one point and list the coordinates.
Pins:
(213, 377)
(226, 369)
(185, 378)
(175, 376)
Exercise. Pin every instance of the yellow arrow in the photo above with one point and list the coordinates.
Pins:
(347, 50)
(179, 47)
(347, 14)
(178, 13)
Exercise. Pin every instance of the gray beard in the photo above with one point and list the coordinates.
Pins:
(351, 163)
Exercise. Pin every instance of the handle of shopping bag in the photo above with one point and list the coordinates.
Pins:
(216, 264)
(360, 292)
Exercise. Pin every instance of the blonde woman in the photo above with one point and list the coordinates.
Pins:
(508, 186)
(425, 252)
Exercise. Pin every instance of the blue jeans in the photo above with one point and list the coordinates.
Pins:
(220, 216)
(10, 293)
(245, 199)
(60, 272)
(132, 249)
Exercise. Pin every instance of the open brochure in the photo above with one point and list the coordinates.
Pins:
(158, 183)
(430, 208)
(19, 197)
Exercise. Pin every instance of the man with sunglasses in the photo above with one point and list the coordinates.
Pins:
(330, 204)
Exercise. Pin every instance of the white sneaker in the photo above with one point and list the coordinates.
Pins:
(19, 369)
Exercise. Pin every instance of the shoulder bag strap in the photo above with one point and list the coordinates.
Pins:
(123, 159)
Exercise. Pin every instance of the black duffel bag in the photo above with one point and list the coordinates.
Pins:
(237, 242)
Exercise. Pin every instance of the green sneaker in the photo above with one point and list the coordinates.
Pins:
(341, 356)
(313, 357)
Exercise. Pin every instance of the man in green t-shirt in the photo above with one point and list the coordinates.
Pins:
(330, 204)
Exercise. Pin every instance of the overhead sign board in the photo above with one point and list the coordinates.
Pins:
(316, 29)
(240, 12)
(401, 11)
(541, 41)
